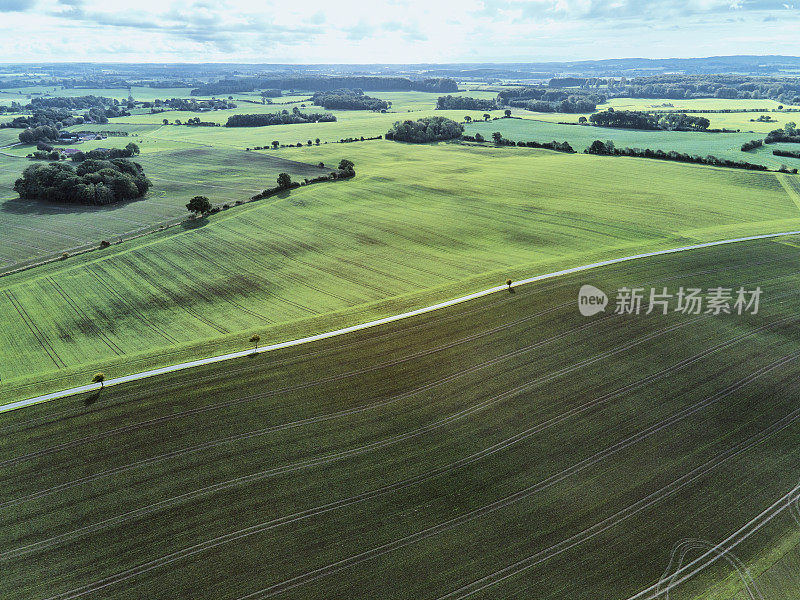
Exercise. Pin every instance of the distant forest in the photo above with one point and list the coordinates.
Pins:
(250, 84)
(677, 87)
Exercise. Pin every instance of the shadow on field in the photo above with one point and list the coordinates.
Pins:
(194, 223)
(18, 206)
(91, 398)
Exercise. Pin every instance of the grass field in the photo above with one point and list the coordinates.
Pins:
(503, 448)
(418, 224)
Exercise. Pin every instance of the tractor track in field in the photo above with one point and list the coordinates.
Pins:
(723, 548)
(130, 305)
(37, 333)
(580, 537)
(574, 540)
(446, 469)
(624, 514)
(81, 314)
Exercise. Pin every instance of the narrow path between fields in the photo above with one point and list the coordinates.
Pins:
(368, 324)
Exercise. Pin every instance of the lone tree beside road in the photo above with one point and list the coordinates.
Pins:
(199, 205)
(99, 378)
(254, 340)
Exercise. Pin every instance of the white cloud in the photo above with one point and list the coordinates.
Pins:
(393, 31)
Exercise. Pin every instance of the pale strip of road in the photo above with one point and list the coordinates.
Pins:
(321, 336)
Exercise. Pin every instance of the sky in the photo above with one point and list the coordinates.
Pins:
(392, 31)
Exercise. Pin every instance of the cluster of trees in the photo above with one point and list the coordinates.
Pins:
(608, 149)
(789, 133)
(96, 182)
(322, 83)
(345, 99)
(43, 133)
(752, 145)
(54, 117)
(131, 149)
(787, 153)
(279, 118)
(72, 102)
(46, 155)
(633, 119)
(427, 129)
(464, 103)
(543, 99)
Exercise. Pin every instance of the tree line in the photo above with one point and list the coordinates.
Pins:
(131, 149)
(499, 140)
(464, 103)
(345, 99)
(633, 119)
(787, 153)
(97, 182)
(323, 83)
(279, 118)
(608, 149)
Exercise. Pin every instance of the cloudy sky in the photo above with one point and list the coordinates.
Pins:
(392, 31)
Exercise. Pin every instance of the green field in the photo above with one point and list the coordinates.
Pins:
(723, 145)
(502, 448)
(34, 231)
(417, 224)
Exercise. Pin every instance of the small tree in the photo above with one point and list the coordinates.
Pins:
(199, 205)
(275, 144)
(479, 137)
(507, 112)
(508, 283)
(254, 340)
(486, 116)
(284, 181)
(316, 141)
(99, 378)
(467, 119)
(581, 119)
(165, 121)
(497, 137)
(346, 165)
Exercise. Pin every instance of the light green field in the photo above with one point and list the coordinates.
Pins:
(418, 224)
(723, 145)
(506, 447)
(144, 94)
(734, 120)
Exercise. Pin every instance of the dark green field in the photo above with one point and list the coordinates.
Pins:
(504, 448)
